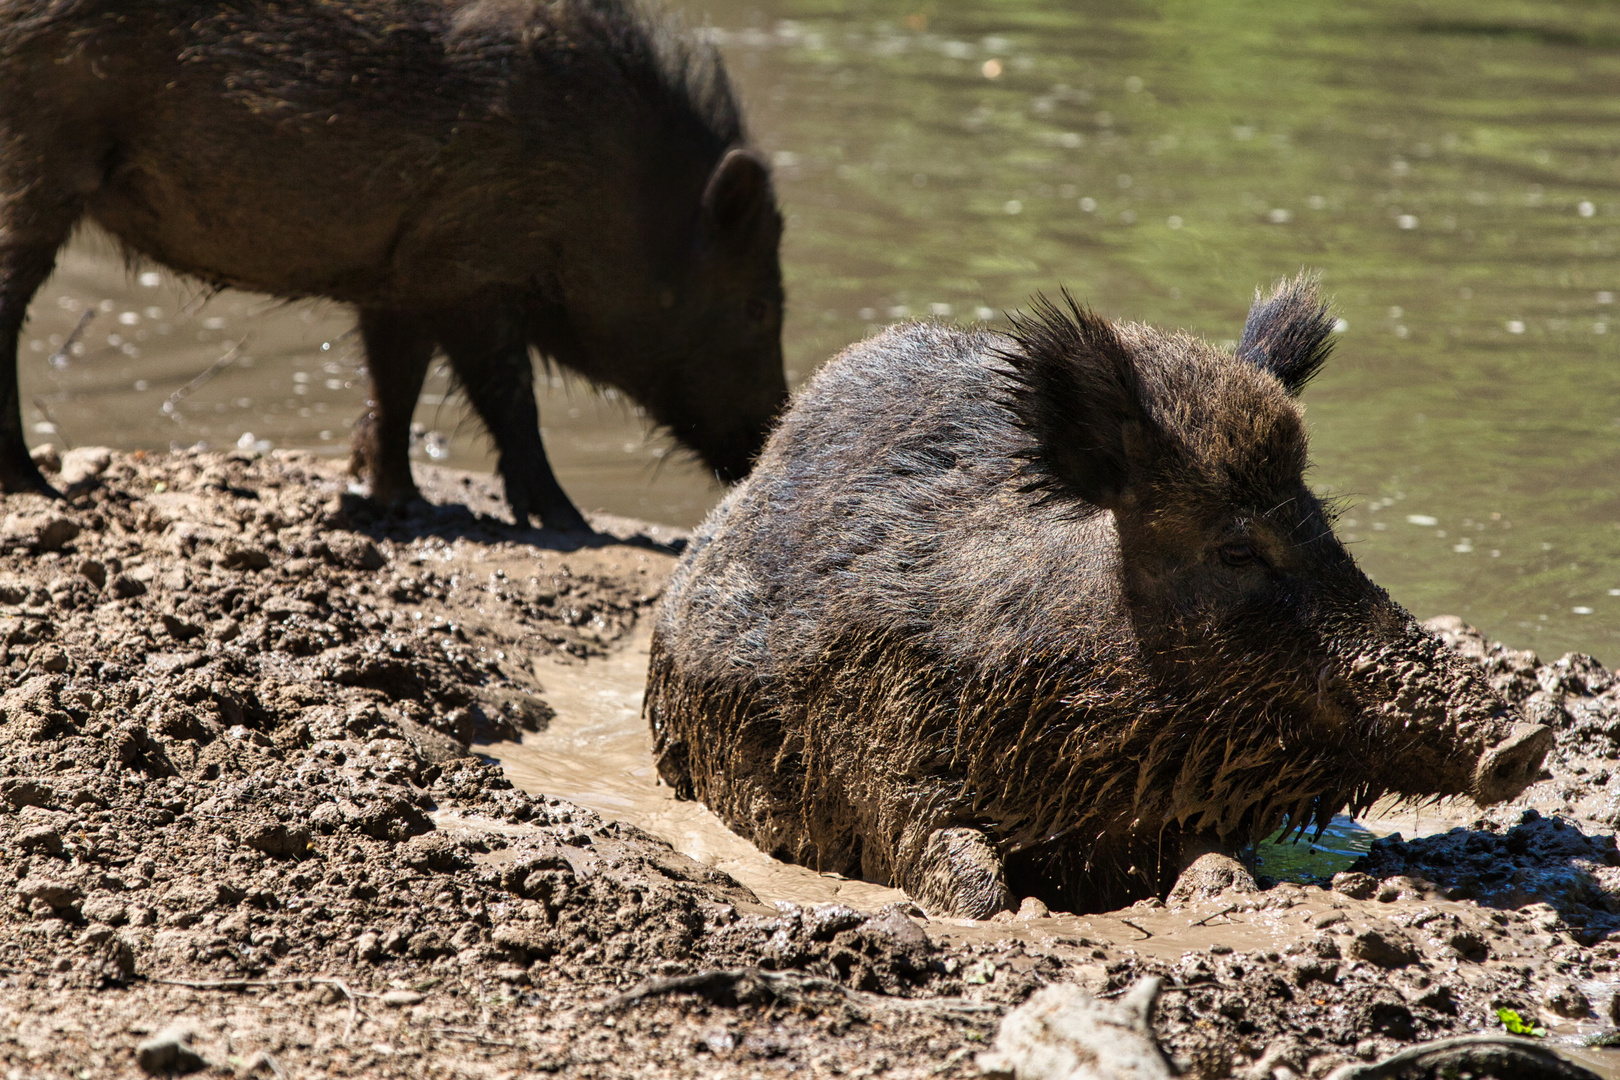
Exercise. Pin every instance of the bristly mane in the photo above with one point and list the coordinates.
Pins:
(673, 65)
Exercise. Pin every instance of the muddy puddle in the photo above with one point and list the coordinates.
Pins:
(597, 752)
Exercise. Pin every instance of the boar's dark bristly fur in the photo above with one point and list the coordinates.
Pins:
(478, 177)
(1051, 613)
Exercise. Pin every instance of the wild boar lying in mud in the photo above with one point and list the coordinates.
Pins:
(476, 176)
(1049, 614)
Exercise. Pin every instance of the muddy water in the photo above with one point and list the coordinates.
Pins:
(598, 753)
(1448, 167)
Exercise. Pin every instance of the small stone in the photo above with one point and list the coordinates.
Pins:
(1566, 999)
(226, 629)
(276, 839)
(280, 608)
(1355, 886)
(368, 946)
(1385, 948)
(105, 909)
(1210, 875)
(1033, 908)
(38, 532)
(179, 629)
(169, 1052)
(93, 572)
(47, 457)
(1063, 1033)
(41, 838)
(54, 893)
(398, 999)
(49, 658)
(124, 587)
(83, 464)
(242, 557)
(1327, 919)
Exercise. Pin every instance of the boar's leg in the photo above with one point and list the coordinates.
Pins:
(22, 272)
(398, 350)
(960, 874)
(35, 221)
(491, 359)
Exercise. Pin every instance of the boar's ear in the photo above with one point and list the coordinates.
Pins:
(1077, 392)
(738, 196)
(1288, 335)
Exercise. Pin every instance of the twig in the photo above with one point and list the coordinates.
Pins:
(1227, 910)
(473, 1036)
(1145, 933)
(353, 997)
(59, 358)
(171, 406)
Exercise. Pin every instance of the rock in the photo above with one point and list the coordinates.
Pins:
(1209, 875)
(1387, 948)
(179, 629)
(49, 658)
(54, 892)
(1032, 907)
(242, 557)
(1566, 999)
(169, 1052)
(355, 552)
(280, 608)
(123, 587)
(368, 947)
(93, 572)
(40, 838)
(1355, 885)
(46, 456)
(277, 839)
(38, 532)
(105, 909)
(83, 464)
(1063, 1033)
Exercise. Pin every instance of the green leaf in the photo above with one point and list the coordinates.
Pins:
(1518, 1025)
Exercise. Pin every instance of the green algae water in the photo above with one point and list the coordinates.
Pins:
(1451, 169)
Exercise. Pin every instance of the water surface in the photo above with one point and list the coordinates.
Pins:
(1449, 167)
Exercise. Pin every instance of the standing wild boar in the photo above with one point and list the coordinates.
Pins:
(476, 176)
(1051, 613)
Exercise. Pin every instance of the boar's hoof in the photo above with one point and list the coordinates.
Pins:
(961, 876)
(1512, 764)
(1209, 875)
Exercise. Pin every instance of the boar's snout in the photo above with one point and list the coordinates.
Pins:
(1512, 764)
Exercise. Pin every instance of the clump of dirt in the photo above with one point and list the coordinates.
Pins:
(247, 829)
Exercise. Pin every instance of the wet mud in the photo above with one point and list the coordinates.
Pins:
(290, 789)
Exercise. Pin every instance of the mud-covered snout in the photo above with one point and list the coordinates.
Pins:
(1511, 765)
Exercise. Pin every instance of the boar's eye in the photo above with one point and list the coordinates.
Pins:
(757, 308)
(1238, 554)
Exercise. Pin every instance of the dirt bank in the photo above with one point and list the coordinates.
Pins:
(237, 794)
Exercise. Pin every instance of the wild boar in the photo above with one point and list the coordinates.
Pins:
(480, 177)
(1050, 613)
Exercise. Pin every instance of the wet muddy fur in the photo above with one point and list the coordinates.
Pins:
(475, 177)
(1050, 614)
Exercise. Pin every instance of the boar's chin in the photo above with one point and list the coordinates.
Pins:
(1512, 764)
